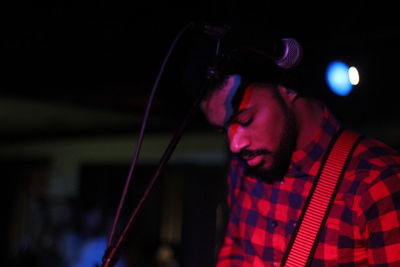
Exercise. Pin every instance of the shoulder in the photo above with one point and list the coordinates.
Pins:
(374, 155)
(375, 169)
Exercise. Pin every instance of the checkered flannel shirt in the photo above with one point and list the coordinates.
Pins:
(363, 227)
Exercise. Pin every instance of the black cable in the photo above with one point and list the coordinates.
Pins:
(111, 250)
(164, 159)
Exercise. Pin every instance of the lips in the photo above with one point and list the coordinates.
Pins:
(254, 157)
(254, 161)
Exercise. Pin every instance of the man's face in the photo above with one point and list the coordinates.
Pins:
(262, 130)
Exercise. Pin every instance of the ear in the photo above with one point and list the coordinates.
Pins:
(287, 94)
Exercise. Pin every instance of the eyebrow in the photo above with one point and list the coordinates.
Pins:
(234, 116)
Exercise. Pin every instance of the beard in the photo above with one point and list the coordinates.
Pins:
(281, 158)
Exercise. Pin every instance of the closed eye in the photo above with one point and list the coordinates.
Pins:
(246, 122)
(243, 117)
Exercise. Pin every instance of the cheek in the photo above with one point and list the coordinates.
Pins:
(268, 129)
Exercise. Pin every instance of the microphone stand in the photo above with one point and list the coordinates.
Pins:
(111, 255)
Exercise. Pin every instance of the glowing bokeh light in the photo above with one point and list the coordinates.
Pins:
(337, 77)
(354, 77)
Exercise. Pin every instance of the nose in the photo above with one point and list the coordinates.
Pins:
(237, 138)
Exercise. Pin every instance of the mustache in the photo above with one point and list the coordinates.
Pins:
(253, 153)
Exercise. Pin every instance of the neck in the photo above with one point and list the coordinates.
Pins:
(309, 115)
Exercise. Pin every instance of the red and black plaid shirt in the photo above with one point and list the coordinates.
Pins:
(363, 227)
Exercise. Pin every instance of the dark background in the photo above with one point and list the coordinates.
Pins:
(105, 55)
(74, 71)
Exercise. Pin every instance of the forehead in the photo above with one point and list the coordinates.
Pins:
(220, 106)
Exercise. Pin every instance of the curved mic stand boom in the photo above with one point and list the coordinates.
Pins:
(111, 254)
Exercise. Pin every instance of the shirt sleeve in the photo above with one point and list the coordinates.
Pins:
(381, 219)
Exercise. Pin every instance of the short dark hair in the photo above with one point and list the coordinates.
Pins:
(240, 51)
(252, 66)
(249, 63)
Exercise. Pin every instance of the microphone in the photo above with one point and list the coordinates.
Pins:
(292, 54)
(286, 53)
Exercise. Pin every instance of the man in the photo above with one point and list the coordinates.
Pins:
(278, 140)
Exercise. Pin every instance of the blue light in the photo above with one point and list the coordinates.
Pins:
(337, 77)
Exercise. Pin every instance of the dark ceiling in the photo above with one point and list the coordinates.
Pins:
(105, 57)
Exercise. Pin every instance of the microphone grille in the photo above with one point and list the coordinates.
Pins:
(292, 54)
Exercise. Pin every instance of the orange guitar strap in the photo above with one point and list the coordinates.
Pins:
(315, 212)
